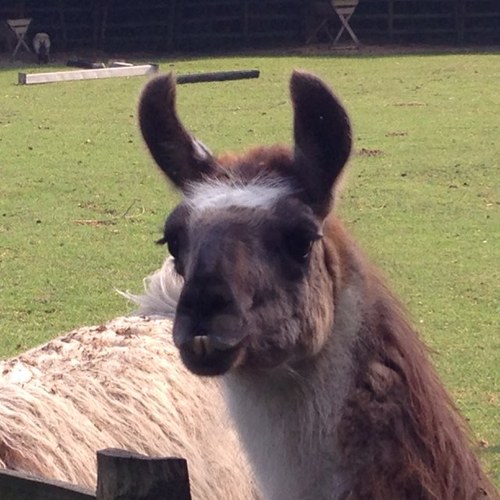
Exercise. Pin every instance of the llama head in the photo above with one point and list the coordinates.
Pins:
(247, 237)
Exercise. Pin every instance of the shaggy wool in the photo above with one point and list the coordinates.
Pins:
(119, 385)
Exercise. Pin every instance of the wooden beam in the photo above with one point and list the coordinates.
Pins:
(86, 74)
(218, 76)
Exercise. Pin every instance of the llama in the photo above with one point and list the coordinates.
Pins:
(41, 44)
(330, 388)
(117, 385)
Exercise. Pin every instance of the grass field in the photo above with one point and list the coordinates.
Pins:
(81, 202)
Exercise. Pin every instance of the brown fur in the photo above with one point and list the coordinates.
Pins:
(415, 445)
(331, 390)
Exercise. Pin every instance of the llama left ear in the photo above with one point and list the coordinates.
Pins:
(180, 156)
(322, 134)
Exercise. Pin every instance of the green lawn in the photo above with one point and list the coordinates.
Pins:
(81, 202)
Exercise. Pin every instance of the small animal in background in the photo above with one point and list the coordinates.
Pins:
(41, 44)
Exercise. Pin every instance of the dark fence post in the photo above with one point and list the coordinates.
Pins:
(130, 476)
(22, 486)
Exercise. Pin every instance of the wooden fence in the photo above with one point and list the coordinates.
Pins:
(169, 25)
(457, 21)
(121, 475)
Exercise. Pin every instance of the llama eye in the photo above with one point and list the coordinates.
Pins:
(173, 246)
(299, 245)
(172, 242)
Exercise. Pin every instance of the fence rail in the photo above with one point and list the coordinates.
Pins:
(121, 475)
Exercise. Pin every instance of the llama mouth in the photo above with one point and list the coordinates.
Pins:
(202, 347)
(204, 355)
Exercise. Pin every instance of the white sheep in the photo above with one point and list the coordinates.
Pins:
(116, 385)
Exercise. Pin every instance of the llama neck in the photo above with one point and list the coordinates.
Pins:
(288, 418)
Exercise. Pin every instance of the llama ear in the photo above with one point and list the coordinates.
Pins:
(322, 134)
(181, 157)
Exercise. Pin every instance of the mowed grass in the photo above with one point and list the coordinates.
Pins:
(81, 203)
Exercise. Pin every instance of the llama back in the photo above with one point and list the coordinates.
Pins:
(116, 385)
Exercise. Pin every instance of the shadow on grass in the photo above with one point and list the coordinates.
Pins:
(492, 449)
(369, 51)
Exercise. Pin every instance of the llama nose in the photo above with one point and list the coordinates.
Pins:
(208, 318)
(205, 298)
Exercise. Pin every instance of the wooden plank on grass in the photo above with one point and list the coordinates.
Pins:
(86, 74)
(218, 76)
(18, 486)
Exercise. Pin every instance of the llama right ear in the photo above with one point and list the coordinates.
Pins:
(322, 134)
(181, 157)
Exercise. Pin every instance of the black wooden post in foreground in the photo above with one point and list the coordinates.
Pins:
(122, 475)
(21, 486)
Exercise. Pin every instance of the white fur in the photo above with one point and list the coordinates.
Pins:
(201, 152)
(39, 39)
(214, 194)
(162, 290)
(288, 422)
(118, 385)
